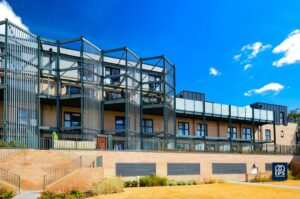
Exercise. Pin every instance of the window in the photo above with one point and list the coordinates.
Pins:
(282, 134)
(147, 126)
(267, 134)
(183, 128)
(233, 132)
(71, 90)
(281, 118)
(119, 123)
(152, 85)
(115, 73)
(72, 119)
(247, 133)
(201, 130)
(88, 72)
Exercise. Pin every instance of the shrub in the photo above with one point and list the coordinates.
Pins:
(260, 179)
(172, 182)
(74, 194)
(210, 181)
(181, 182)
(108, 186)
(152, 180)
(131, 183)
(192, 182)
(6, 194)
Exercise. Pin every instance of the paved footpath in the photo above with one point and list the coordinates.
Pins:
(28, 195)
(266, 185)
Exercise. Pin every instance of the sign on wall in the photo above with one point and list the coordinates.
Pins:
(279, 171)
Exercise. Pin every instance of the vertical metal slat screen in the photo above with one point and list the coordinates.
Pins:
(20, 119)
(92, 93)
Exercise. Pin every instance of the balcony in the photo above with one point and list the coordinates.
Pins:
(193, 107)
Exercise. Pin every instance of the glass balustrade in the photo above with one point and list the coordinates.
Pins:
(222, 110)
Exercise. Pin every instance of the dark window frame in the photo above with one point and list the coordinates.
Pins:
(154, 86)
(119, 126)
(247, 133)
(281, 118)
(185, 131)
(72, 121)
(146, 127)
(109, 71)
(267, 134)
(233, 133)
(202, 130)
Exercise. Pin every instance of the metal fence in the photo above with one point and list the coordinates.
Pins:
(62, 171)
(10, 178)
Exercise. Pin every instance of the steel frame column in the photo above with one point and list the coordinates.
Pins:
(126, 101)
(58, 111)
(253, 130)
(5, 103)
(38, 91)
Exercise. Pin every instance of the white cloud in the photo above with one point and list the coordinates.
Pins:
(291, 49)
(237, 57)
(247, 66)
(6, 11)
(253, 49)
(271, 87)
(213, 71)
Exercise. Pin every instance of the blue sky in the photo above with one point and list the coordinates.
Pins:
(200, 37)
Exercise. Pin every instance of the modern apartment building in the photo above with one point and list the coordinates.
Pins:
(76, 90)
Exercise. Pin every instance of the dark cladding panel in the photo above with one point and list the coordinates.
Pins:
(183, 169)
(228, 168)
(273, 107)
(268, 166)
(135, 169)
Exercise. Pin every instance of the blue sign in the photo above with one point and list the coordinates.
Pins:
(279, 171)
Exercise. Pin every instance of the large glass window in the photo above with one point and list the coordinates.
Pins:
(72, 119)
(247, 133)
(201, 130)
(233, 132)
(115, 75)
(152, 85)
(267, 134)
(183, 128)
(71, 90)
(88, 72)
(147, 126)
(281, 117)
(119, 123)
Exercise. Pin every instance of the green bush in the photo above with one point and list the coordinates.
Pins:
(75, 194)
(152, 181)
(192, 182)
(293, 175)
(260, 179)
(172, 182)
(181, 182)
(131, 183)
(5, 194)
(108, 186)
(210, 181)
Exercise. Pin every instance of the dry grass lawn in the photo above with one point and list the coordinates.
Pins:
(207, 191)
